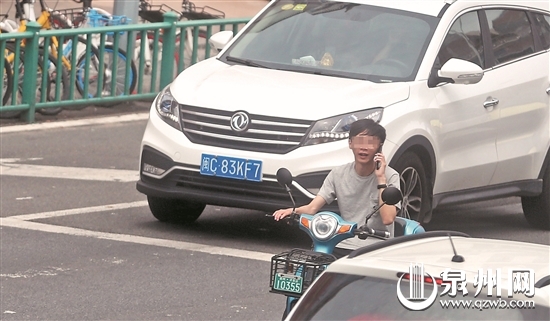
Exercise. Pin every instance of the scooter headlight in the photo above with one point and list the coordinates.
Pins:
(324, 226)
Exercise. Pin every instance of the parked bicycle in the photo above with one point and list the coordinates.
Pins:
(150, 12)
(116, 75)
(7, 80)
(55, 78)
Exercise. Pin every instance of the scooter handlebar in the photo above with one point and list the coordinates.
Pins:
(290, 220)
(365, 232)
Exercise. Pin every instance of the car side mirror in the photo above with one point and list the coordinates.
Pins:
(391, 195)
(461, 71)
(220, 39)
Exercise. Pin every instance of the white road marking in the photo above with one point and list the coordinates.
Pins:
(8, 167)
(74, 123)
(84, 210)
(23, 222)
(18, 160)
(80, 173)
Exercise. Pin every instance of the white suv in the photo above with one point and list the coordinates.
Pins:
(462, 88)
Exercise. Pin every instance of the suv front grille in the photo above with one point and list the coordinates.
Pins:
(264, 134)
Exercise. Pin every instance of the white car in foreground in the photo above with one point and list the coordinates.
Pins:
(462, 88)
(475, 279)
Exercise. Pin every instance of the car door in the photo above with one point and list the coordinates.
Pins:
(467, 145)
(521, 66)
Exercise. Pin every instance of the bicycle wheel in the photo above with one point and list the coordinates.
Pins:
(108, 80)
(93, 75)
(7, 82)
(120, 71)
(52, 70)
(8, 95)
(19, 67)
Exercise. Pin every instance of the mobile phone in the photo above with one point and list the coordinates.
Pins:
(378, 164)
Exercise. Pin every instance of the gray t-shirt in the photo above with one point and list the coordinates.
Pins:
(357, 198)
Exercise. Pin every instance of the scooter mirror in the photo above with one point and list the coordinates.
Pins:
(391, 195)
(284, 177)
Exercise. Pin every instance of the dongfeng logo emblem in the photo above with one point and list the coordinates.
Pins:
(240, 121)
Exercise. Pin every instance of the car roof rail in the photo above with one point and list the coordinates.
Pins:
(403, 239)
(544, 281)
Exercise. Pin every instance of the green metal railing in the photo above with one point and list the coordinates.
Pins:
(59, 71)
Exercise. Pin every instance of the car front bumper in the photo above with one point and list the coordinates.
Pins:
(184, 181)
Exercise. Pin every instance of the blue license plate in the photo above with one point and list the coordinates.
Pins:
(231, 167)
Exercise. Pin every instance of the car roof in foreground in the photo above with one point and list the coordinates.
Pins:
(434, 7)
(436, 254)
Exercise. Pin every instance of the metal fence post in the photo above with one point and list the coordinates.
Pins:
(30, 65)
(168, 49)
(130, 9)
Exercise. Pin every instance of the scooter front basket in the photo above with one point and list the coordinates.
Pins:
(292, 272)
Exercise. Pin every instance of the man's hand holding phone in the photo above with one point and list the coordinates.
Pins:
(379, 160)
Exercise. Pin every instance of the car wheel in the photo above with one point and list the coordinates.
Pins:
(175, 210)
(537, 209)
(416, 204)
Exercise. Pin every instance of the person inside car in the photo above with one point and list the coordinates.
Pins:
(357, 185)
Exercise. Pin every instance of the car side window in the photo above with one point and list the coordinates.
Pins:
(463, 41)
(511, 34)
(543, 22)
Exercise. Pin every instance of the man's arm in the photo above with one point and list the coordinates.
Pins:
(387, 212)
(312, 208)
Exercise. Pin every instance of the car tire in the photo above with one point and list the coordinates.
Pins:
(175, 210)
(537, 209)
(417, 193)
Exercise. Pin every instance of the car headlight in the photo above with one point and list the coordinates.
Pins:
(337, 128)
(168, 108)
(324, 226)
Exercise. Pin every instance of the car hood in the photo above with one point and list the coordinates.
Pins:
(214, 84)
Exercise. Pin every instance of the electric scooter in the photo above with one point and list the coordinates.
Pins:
(292, 272)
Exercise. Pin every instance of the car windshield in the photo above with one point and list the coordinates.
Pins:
(336, 39)
(338, 296)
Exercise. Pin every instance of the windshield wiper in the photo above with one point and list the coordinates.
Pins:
(335, 74)
(330, 7)
(245, 62)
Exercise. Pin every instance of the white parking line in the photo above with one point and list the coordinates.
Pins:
(23, 222)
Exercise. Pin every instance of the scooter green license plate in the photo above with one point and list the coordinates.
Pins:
(288, 283)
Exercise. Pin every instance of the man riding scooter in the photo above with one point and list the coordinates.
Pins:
(358, 186)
